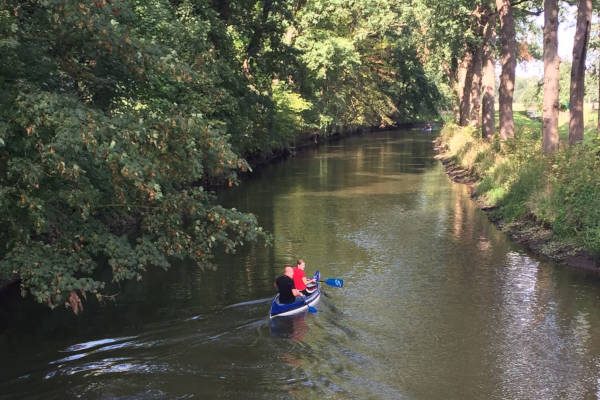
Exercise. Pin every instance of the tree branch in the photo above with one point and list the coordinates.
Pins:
(527, 12)
(516, 3)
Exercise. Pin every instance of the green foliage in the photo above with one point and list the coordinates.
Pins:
(104, 141)
(363, 64)
(288, 121)
(521, 184)
(116, 117)
(574, 206)
(564, 81)
(512, 171)
(591, 84)
(529, 92)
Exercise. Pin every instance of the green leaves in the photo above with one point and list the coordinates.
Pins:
(116, 116)
(363, 62)
(104, 146)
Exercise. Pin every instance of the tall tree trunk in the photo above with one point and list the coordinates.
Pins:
(509, 64)
(481, 15)
(465, 77)
(582, 34)
(551, 85)
(488, 79)
(475, 116)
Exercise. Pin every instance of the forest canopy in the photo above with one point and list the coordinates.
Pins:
(117, 117)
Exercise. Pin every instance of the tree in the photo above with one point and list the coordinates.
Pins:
(464, 86)
(249, 42)
(107, 141)
(475, 116)
(509, 63)
(488, 77)
(577, 90)
(362, 64)
(551, 77)
(445, 29)
(117, 118)
(481, 15)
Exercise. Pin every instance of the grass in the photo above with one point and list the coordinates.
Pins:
(590, 116)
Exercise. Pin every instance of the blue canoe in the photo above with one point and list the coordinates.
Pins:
(300, 305)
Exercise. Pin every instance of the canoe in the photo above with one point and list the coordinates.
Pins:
(300, 305)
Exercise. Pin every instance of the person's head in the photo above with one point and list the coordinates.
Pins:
(300, 264)
(289, 271)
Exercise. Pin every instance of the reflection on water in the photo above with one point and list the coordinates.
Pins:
(437, 303)
(290, 327)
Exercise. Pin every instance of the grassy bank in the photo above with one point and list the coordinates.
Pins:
(553, 201)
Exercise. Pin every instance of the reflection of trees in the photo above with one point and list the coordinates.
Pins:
(458, 217)
(464, 213)
(536, 320)
(344, 186)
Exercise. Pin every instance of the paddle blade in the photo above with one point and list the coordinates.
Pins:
(312, 309)
(334, 282)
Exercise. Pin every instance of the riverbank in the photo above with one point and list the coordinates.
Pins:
(308, 140)
(546, 203)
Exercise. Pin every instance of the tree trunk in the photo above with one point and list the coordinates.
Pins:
(509, 64)
(465, 77)
(475, 117)
(551, 85)
(582, 34)
(488, 80)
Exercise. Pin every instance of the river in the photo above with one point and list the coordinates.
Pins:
(437, 304)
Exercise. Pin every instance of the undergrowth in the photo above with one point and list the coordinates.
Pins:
(561, 191)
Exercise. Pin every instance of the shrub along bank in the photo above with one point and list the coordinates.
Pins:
(549, 202)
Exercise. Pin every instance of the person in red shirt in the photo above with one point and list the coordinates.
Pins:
(300, 280)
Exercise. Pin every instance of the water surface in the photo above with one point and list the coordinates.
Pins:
(437, 303)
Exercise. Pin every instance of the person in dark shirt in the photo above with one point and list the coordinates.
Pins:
(285, 285)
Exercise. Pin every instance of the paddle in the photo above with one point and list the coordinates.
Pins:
(331, 282)
(334, 282)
